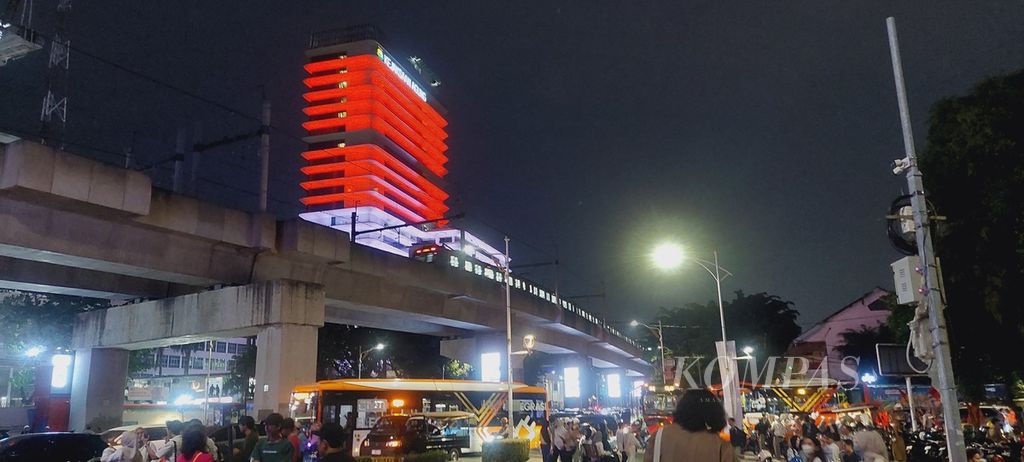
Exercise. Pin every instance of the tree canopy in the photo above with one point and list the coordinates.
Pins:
(34, 319)
(973, 168)
(764, 322)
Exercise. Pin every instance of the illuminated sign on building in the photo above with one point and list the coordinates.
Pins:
(490, 367)
(572, 382)
(391, 64)
(614, 382)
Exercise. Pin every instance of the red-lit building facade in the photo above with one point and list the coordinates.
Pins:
(376, 151)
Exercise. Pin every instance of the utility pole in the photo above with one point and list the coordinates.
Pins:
(508, 337)
(264, 154)
(942, 367)
(56, 100)
(179, 162)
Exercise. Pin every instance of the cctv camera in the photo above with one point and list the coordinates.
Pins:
(900, 165)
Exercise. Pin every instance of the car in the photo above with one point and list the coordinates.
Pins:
(153, 433)
(63, 447)
(221, 435)
(396, 435)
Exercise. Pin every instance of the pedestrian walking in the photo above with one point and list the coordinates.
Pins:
(693, 435)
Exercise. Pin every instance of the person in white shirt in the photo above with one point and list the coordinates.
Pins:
(779, 437)
(127, 451)
(831, 449)
(630, 445)
(620, 439)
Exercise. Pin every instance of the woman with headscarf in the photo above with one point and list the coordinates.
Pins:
(128, 451)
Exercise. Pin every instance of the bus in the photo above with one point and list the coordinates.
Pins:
(358, 404)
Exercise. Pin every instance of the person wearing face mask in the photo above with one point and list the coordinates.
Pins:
(811, 452)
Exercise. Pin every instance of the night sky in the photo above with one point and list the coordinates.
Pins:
(589, 130)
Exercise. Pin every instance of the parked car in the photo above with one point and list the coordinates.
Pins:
(63, 447)
(397, 435)
(153, 433)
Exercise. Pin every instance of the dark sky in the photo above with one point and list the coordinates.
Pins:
(593, 129)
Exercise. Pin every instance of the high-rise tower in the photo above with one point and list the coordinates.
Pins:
(376, 144)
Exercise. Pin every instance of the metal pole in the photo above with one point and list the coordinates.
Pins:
(661, 346)
(942, 367)
(179, 161)
(264, 154)
(508, 337)
(209, 365)
(910, 401)
(718, 286)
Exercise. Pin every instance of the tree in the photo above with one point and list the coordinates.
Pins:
(47, 320)
(405, 355)
(860, 343)
(764, 322)
(974, 173)
(240, 370)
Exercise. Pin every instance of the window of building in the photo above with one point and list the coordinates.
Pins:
(163, 361)
(197, 363)
(242, 349)
(233, 348)
(173, 361)
(222, 347)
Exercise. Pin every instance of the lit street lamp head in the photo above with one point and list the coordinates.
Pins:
(380, 346)
(634, 323)
(34, 351)
(748, 350)
(667, 256)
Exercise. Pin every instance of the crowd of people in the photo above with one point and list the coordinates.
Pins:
(566, 440)
(188, 442)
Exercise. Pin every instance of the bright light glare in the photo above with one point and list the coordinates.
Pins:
(747, 350)
(868, 378)
(61, 371)
(490, 367)
(667, 256)
(380, 346)
(182, 400)
(634, 323)
(572, 382)
(614, 386)
(468, 249)
(34, 351)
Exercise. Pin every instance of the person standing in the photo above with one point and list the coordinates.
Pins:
(738, 439)
(693, 435)
(870, 443)
(248, 426)
(172, 442)
(331, 444)
(830, 448)
(560, 439)
(193, 446)
(778, 437)
(289, 433)
(620, 440)
(545, 440)
(275, 448)
(128, 451)
(630, 446)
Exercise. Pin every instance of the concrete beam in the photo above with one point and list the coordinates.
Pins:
(227, 312)
(33, 170)
(37, 276)
(31, 231)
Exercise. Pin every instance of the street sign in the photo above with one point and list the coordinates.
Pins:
(892, 361)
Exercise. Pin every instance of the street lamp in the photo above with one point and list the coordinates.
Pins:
(661, 344)
(34, 351)
(748, 350)
(668, 256)
(363, 353)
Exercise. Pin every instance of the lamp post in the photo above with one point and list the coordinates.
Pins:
(508, 337)
(661, 344)
(363, 353)
(669, 256)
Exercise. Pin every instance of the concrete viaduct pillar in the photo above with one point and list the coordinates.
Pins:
(284, 316)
